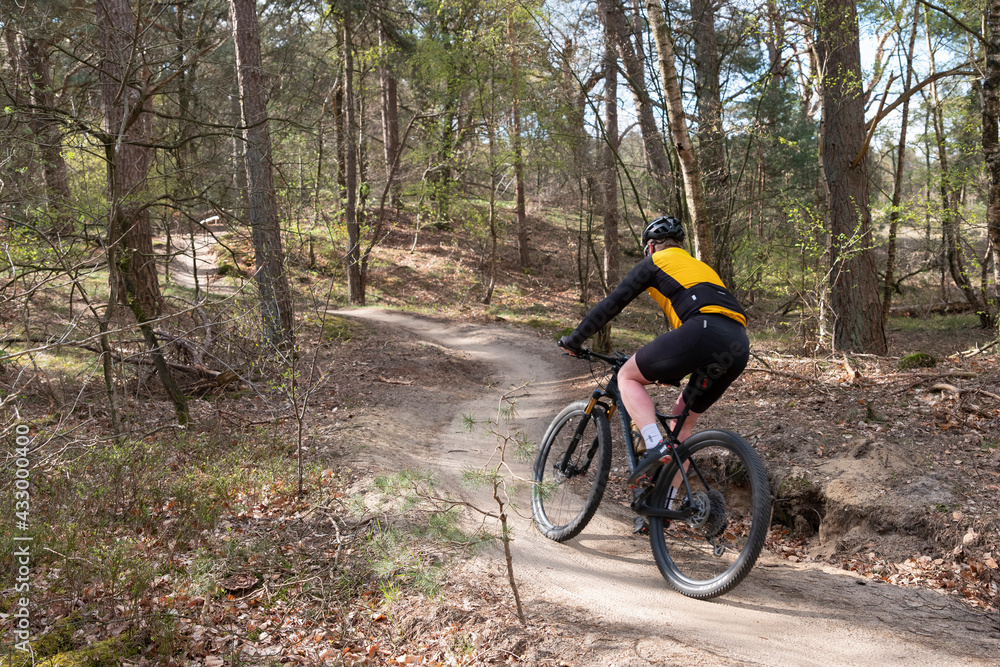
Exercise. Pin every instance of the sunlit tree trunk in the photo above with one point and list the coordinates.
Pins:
(355, 279)
(897, 189)
(524, 256)
(609, 171)
(954, 256)
(390, 115)
(691, 171)
(858, 324)
(652, 139)
(491, 271)
(774, 39)
(272, 282)
(574, 99)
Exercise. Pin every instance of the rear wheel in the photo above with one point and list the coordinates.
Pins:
(710, 553)
(571, 471)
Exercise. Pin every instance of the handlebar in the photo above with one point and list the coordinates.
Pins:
(616, 362)
(583, 353)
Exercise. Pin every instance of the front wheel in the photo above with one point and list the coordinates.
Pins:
(710, 553)
(571, 471)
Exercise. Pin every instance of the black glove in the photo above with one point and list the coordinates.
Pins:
(566, 344)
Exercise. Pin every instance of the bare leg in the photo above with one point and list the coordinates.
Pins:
(640, 406)
(689, 421)
(637, 401)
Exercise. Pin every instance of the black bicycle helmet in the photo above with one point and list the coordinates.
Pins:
(662, 228)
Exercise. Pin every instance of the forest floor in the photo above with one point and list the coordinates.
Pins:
(882, 476)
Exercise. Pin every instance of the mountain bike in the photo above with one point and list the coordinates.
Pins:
(708, 508)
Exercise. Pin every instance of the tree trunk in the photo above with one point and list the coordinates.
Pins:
(693, 188)
(574, 98)
(711, 138)
(272, 282)
(652, 139)
(774, 38)
(128, 125)
(15, 75)
(340, 135)
(858, 322)
(991, 141)
(524, 256)
(355, 279)
(579, 140)
(609, 170)
(491, 269)
(954, 257)
(237, 198)
(822, 214)
(390, 116)
(897, 188)
(16, 88)
(46, 128)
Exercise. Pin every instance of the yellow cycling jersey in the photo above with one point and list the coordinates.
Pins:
(682, 285)
(683, 282)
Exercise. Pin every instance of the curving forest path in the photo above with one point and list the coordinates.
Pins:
(606, 582)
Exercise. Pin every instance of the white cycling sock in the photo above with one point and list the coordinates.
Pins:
(651, 434)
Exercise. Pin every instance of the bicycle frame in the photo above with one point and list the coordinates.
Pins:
(705, 538)
(611, 392)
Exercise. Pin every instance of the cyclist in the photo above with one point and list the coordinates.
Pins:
(708, 339)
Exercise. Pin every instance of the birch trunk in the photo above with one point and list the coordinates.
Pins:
(690, 170)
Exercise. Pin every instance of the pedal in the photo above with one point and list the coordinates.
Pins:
(639, 498)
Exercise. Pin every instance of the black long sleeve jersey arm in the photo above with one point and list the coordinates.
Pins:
(682, 285)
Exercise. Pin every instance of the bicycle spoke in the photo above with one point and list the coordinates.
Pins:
(571, 472)
(709, 555)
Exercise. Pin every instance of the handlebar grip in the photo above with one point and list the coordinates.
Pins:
(580, 352)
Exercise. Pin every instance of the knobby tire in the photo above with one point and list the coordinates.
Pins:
(561, 504)
(683, 554)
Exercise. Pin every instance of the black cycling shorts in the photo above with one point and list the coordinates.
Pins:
(713, 349)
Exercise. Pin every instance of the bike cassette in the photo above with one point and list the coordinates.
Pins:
(717, 520)
(710, 513)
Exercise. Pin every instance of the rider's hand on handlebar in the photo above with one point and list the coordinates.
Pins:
(571, 349)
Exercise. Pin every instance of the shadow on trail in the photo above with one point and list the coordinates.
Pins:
(783, 613)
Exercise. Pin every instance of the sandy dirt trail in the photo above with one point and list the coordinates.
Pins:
(606, 580)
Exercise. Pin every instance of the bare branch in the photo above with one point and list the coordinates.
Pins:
(954, 18)
(905, 95)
